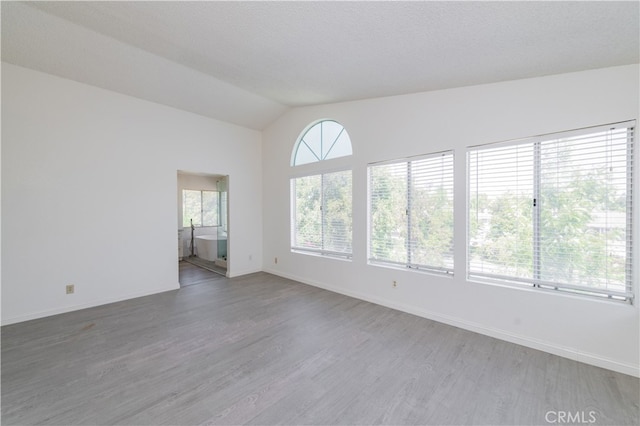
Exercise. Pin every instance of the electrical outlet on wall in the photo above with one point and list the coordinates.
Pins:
(275, 260)
(71, 288)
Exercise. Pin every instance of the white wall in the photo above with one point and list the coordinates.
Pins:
(89, 192)
(593, 331)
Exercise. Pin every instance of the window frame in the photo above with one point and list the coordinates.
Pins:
(323, 165)
(409, 247)
(323, 156)
(322, 251)
(535, 282)
(217, 202)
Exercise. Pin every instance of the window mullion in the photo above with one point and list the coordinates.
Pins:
(408, 213)
(629, 219)
(536, 211)
(322, 156)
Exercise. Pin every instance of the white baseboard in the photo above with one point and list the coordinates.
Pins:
(552, 348)
(235, 273)
(91, 304)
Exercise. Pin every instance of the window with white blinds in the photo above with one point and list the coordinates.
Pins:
(555, 212)
(411, 213)
(322, 218)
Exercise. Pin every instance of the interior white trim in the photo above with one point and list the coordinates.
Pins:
(90, 304)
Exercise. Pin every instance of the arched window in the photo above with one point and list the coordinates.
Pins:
(321, 201)
(323, 140)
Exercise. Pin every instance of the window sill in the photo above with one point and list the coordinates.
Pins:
(326, 255)
(426, 271)
(553, 292)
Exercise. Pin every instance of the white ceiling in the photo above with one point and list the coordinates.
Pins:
(247, 62)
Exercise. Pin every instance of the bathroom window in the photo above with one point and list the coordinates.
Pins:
(200, 206)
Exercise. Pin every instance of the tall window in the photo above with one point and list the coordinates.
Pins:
(554, 212)
(200, 206)
(321, 215)
(411, 213)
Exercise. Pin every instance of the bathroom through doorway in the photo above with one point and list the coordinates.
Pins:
(203, 225)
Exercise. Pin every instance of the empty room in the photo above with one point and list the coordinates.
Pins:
(327, 213)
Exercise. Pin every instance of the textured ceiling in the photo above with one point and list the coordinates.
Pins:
(246, 62)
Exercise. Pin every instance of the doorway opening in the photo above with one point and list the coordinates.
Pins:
(203, 221)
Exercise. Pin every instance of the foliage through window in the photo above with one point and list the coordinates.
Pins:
(554, 212)
(411, 213)
(322, 218)
(324, 140)
(201, 206)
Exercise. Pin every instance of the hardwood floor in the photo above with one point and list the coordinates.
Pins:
(260, 349)
(189, 274)
(206, 264)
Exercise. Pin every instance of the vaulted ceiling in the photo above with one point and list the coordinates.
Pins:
(248, 62)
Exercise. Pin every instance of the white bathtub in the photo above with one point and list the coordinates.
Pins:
(207, 247)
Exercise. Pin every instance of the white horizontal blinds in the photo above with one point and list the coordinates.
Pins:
(336, 212)
(411, 213)
(388, 213)
(323, 213)
(584, 213)
(430, 243)
(308, 214)
(500, 212)
(555, 212)
(321, 204)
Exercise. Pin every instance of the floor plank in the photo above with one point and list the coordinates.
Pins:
(260, 349)
(205, 264)
(190, 274)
